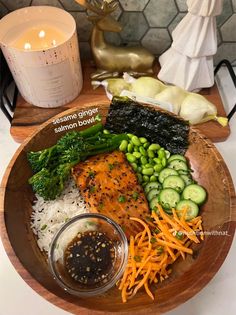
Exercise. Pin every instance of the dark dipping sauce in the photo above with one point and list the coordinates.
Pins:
(89, 258)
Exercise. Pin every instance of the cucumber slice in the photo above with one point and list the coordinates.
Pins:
(175, 182)
(178, 165)
(177, 157)
(151, 186)
(153, 203)
(165, 173)
(187, 179)
(153, 193)
(167, 153)
(192, 209)
(184, 172)
(169, 198)
(196, 193)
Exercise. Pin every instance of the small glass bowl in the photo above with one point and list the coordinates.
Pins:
(83, 225)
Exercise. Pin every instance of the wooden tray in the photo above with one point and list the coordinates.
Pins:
(27, 118)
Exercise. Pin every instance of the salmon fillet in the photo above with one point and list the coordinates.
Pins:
(109, 186)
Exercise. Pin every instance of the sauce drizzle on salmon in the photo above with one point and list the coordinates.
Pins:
(109, 186)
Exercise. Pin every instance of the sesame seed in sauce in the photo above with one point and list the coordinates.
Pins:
(89, 257)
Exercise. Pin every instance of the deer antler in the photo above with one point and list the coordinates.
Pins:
(100, 7)
(109, 6)
(89, 6)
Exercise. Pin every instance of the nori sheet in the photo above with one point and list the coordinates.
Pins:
(158, 126)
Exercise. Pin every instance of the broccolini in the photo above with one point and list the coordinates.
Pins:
(52, 165)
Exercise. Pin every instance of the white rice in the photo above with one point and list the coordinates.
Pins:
(48, 216)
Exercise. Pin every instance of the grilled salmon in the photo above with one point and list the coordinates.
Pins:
(110, 187)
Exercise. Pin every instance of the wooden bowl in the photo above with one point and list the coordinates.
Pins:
(188, 276)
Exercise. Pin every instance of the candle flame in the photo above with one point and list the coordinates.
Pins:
(27, 46)
(42, 34)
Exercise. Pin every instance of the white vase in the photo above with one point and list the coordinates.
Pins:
(189, 62)
(203, 39)
(192, 74)
(205, 7)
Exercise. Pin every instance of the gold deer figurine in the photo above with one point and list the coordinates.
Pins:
(111, 60)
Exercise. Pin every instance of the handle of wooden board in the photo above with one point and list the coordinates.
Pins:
(228, 65)
(7, 105)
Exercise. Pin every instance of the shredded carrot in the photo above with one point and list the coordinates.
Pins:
(165, 216)
(153, 250)
(165, 230)
(125, 275)
(174, 246)
(132, 255)
(143, 265)
(183, 215)
(185, 226)
(171, 253)
(138, 235)
(142, 282)
(145, 227)
(124, 293)
(148, 290)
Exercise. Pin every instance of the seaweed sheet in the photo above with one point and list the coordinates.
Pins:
(170, 131)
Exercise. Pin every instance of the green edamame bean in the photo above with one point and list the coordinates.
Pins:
(130, 157)
(143, 160)
(163, 161)
(148, 165)
(130, 135)
(157, 160)
(148, 171)
(150, 153)
(135, 141)
(142, 140)
(139, 169)
(146, 178)
(123, 145)
(140, 178)
(158, 168)
(153, 178)
(151, 161)
(136, 148)
(134, 165)
(130, 147)
(146, 145)
(143, 151)
(137, 154)
(154, 147)
(161, 153)
(106, 132)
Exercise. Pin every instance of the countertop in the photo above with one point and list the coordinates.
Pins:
(218, 297)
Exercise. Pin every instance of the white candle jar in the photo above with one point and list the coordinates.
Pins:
(41, 48)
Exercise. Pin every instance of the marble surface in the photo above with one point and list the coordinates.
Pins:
(218, 297)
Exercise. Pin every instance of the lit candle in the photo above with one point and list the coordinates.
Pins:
(41, 47)
(39, 37)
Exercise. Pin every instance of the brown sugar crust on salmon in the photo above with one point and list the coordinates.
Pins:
(109, 186)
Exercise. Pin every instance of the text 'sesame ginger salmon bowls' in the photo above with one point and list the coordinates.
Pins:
(160, 183)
